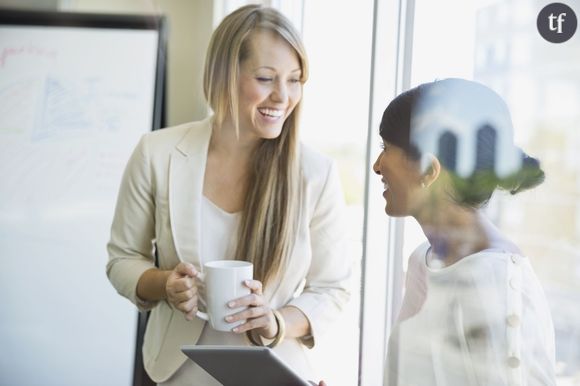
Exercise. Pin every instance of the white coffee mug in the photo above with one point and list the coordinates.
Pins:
(224, 282)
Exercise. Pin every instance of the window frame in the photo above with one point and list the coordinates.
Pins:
(382, 271)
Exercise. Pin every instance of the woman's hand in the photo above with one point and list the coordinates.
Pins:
(258, 315)
(181, 289)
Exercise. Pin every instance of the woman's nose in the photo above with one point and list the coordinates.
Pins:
(280, 92)
(376, 165)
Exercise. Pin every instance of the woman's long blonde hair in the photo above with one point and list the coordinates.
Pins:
(268, 223)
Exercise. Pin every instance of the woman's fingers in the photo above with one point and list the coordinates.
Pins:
(181, 289)
(181, 279)
(189, 308)
(249, 313)
(182, 285)
(254, 285)
(260, 318)
(255, 299)
(265, 325)
(184, 296)
(251, 324)
(251, 300)
(257, 313)
(185, 269)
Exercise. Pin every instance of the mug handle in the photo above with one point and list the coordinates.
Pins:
(200, 314)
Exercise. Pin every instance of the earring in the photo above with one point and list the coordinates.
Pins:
(422, 184)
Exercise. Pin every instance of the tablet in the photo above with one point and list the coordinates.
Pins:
(243, 365)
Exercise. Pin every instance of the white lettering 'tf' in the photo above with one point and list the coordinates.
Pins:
(559, 20)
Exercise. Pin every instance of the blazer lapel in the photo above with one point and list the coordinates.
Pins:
(186, 175)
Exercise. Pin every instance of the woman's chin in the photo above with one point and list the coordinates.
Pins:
(270, 132)
(392, 212)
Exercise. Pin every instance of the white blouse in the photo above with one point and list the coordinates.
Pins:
(218, 235)
(218, 232)
(481, 321)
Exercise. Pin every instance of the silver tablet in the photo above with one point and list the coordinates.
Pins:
(243, 365)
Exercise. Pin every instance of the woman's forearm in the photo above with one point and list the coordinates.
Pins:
(297, 324)
(151, 285)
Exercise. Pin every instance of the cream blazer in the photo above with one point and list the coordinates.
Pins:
(159, 204)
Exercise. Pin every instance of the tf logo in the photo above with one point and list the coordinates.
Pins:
(557, 22)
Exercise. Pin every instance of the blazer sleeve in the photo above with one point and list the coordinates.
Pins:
(130, 247)
(327, 283)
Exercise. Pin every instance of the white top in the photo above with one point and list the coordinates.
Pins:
(481, 321)
(218, 235)
(218, 240)
(218, 232)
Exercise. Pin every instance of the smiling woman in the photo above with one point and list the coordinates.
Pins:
(270, 84)
(235, 186)
(401, 178)
(473, 311)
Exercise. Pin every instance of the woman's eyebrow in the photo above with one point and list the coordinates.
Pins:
(273, 69)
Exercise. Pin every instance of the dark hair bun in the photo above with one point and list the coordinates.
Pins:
(529, 176)
(477, 189)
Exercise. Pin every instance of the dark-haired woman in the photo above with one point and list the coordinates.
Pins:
(473, 311)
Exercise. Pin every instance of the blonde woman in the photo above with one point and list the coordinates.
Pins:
(237, 185)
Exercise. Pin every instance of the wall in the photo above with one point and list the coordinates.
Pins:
(190, 27)
(48, 5)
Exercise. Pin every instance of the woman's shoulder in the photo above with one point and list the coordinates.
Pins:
(481, 264)
(419, 253)
(492, 269)
(177, 132)
(184, 136)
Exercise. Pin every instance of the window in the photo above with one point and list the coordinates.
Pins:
(497, 44)
(362, 54)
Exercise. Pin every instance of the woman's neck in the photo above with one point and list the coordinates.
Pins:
(227, 168)
(454, 232)
(226, 144)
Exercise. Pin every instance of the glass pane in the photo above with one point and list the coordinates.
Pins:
(497, 44)
(334, 120)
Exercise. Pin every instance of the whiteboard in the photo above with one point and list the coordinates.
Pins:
(73, 103)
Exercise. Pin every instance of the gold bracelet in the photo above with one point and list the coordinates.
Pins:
(279, 335)
(252, 338)
(281, 329)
